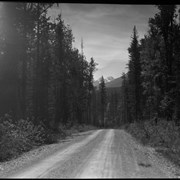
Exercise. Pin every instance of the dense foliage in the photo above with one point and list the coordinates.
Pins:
(46, 83)
(151, 86)
(42, 76)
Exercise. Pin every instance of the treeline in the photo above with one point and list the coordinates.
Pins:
(151, 88)
(42, 77)
(108, 108)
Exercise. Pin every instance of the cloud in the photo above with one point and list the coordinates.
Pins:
(114, 68)
(106, 30)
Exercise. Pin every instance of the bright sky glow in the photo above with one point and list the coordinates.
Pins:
(106, 30)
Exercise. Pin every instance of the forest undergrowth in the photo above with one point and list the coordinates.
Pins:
(163, 136)
(18, 137)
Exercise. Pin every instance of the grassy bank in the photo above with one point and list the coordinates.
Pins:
(17, 137)
(163, 136)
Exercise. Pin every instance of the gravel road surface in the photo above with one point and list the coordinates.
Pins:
(108, 153)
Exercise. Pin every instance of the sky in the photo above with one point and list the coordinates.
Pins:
(106, 30)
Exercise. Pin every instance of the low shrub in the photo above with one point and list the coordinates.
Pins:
(20, 136)
(164, 133)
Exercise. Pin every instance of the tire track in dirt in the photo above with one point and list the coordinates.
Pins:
(100, 164)
(105, 153)
(44, 166)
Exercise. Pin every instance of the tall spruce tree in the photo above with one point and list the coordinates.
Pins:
(134, 76)
(91, 69)
(103, 100)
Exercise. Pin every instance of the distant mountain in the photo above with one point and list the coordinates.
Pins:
(110, 82)
(96, 83)
(114, 83)
(108, 79)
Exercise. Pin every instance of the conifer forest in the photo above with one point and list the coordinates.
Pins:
(47, 84)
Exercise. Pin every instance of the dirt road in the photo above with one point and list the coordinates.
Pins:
(101, 154)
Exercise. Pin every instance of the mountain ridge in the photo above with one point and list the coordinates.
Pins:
(110, 82)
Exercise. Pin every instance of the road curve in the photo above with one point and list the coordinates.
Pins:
(102, 154)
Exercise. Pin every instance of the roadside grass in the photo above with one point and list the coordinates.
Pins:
(18, 137)
(164, 137)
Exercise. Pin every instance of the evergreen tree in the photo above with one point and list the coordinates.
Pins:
(134, 77)
(103, 101)
(10, 58)
(91, 69)
(48, 80)
(125, 107)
